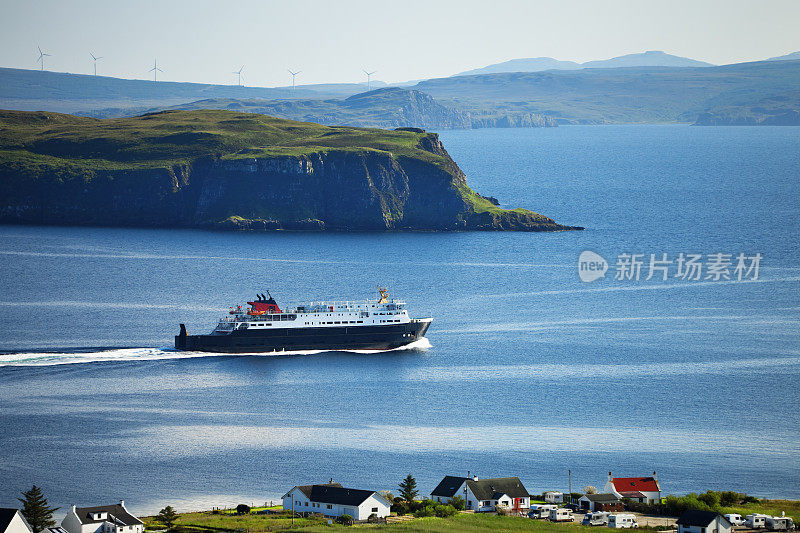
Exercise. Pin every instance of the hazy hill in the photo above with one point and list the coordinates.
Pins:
(538, 64)
(788, 57)
(33, 90)
(229, 170)
(388, 107)
(533, 64)
(623, 95)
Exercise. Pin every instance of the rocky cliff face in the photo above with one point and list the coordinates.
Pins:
(226, 170)
(334, 190)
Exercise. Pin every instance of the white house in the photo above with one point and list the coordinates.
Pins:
(102, 519)
(12, 521)
(482, 495)
(641, 489)
(331, 499)
(553, 496)
(703, 522)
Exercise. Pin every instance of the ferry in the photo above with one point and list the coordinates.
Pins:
(380, 324)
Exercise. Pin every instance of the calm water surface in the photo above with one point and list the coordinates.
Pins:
(529, 371)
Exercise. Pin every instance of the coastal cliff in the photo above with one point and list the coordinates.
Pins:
(228, 170)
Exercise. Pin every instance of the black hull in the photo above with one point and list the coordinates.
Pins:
(300, 339)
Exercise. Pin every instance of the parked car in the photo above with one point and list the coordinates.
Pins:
(779, 523)
(735, 519)
(561, 515)
(595, 518)
(622, 521)
(756, 521)
(574, 507)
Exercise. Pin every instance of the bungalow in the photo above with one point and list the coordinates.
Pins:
(102, 519)
(331, 499)
(703, 522)
(12, 521)
(600, 502)
(483, 495)
(641, 489)
(553, 496)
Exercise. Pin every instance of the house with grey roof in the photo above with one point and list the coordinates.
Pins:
(600, 502)
(12, 521)
(102, 519)
(484, 495)
(693, 521)
(334, 500)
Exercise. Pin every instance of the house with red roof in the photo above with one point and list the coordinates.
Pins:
(640, 489)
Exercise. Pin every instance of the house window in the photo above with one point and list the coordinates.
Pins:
(374, 509)
(329, 506)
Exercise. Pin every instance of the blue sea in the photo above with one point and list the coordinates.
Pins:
(527, 369)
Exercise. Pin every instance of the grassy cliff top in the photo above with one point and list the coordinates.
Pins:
(172, 137)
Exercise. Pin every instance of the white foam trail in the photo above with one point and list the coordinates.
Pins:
(150, 354)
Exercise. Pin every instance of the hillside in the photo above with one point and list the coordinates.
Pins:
(33, 90)
(229, 170)
(386, 108)
(622, 95)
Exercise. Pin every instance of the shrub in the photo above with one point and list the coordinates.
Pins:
(501, 511)
(242, 509)
(458, 503)
(444, 511)
(710, 498)
(345, 520)
(428, 510)
(728, 498)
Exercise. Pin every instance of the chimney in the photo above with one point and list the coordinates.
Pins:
(654, 475)
(122, 503)
(609, 476)
(474, 478)
(73, 510)
(331, 481)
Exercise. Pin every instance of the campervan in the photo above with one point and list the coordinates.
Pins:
(541, 510)
(595, 518)
(561, 515)
(756, 521)
(779, 523)
(622, 521)
(735, 519)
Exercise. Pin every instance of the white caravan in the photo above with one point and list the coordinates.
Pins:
(595, 518)
(779, 523)
(735, 519)
(622, 521)
(561, 515)
(541, 510)
(756, 521)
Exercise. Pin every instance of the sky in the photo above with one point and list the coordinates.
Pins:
(334, 41)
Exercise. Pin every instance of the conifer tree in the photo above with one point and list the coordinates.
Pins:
(408, 488)
(36, 510)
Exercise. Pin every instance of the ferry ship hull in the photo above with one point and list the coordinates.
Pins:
(377, 337)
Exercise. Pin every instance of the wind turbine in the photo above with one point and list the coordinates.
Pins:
(293, 75)
(368, 78)
(42, 55)
(155, 70)
(239, 73)
(95, 62)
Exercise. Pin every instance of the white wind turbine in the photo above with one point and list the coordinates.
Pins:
(95, 62)
(155, 70)
(293, 76)
(239, 74)
(42, 55)
(369, 74)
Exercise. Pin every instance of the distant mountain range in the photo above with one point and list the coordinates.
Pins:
(762, 92)
(651, 58)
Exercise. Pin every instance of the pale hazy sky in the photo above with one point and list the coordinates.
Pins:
(204, 41)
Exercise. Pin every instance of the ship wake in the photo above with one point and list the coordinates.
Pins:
(110, 355)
